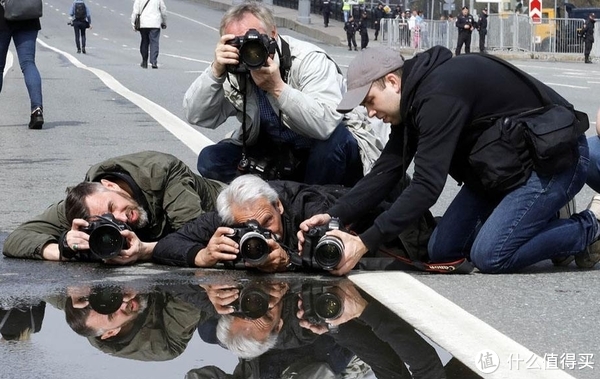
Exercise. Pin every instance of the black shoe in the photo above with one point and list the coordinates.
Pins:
(589, 61)
(78, 51)
(83, 50)
(154, 65)
(37, 119)
(349, 49)
(144, 64)
(355, 49)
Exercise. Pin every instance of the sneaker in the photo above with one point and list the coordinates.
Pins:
(566, 212)
(590, 256)
(144, 64)
(83, 50)
(78, 51)
(37, 119)
(154, 65)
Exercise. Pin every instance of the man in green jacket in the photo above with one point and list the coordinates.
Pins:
(153, 193)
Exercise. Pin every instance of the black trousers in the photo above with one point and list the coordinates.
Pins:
(464, 38)
(482, 34)
(588, 48)
(79, 27)
(364, 39)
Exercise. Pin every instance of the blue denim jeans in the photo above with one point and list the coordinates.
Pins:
(150, 38)
(335, 160)
(520, 229)
(25, 41)
(593, 176)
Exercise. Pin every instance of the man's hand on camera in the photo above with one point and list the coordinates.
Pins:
(225, 55)
(315, 328)
(316, 220)
(277, 260)
(221, 295)
(219, 248)
(137, 250)
(354, 249)
(75, 239)
(268, 78)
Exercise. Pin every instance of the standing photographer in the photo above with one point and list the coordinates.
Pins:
(286, 104)
(81, 20)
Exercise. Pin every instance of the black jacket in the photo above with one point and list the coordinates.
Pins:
(300, 201)
(462, 20)
(483, 22)
(588, 30)
(438, 106)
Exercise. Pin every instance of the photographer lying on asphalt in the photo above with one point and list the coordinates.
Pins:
(141, 197)
(288, 90)
(277, 208)
(505, 217)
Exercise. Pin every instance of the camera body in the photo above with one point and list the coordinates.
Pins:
(252, 239)
(280, 167)
(252, 303)
(320, 303)
(254, 49)
(105, 239)
(320, 250)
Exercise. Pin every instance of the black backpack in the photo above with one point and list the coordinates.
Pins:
(80, 11)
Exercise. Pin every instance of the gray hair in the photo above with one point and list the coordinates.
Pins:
(242, 346)
(258, 10)
(243, 190)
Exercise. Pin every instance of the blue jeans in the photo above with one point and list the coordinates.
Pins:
(150, 38)
(520, 229)
(24, 41)
(593, 176)
(335, 160)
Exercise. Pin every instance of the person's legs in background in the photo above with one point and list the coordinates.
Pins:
(5, 38)
(82, 28)
(220, 161)
(154, 35)
(25, 41)
(335, 160)
(77, 40)
(144, 44)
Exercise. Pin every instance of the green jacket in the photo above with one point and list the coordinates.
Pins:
(173, 192)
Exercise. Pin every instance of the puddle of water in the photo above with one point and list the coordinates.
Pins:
(215, 328)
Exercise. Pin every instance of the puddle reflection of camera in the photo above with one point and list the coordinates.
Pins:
(320, 250)
(252, 303)
(321, 303)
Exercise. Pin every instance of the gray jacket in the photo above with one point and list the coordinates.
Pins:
(307, 104)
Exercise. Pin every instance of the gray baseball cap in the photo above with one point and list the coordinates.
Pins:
(370, 65)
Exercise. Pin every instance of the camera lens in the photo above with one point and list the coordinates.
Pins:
(254, 54)
(328, 306)
(328, 252)
(106, 241)
(254, 248)
(254, 302)
(106, 300)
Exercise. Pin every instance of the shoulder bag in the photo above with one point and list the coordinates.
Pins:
(136, 23)
(510, 147)
(18, 10)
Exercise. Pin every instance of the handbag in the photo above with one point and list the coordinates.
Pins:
(17, 10)
(136, 22)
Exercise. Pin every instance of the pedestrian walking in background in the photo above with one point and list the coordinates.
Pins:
(465, 24)
(153, 17)
(482, 27)
(24, 33)
(378, 14)
(363, 30)
(81, 20)
(588, 36)
(351, 27)
(326, 10)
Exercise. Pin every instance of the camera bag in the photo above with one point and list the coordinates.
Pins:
(509, 147)
(137, 22)
(17, 10)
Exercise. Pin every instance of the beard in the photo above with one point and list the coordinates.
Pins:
(142, 220)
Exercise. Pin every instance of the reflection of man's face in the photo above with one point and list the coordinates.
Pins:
(119, 321)
(247, 22)
(267, 214)
(261, 328)
(118, 202)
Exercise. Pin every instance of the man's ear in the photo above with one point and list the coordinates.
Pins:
(110, 333)
(279, 206)
(394, 81)
(110, 185)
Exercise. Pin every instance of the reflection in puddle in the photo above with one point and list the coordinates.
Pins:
(267, 327)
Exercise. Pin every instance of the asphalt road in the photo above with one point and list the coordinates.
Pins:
(103, 104)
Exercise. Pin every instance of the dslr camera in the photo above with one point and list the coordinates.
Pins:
(252, 239)
(321, 303)
(106, 240)
(106, 300)
(252, 303)
(254, 49)
(282, 166)
(320, 250)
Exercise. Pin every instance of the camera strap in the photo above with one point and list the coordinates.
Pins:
(285, 60)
